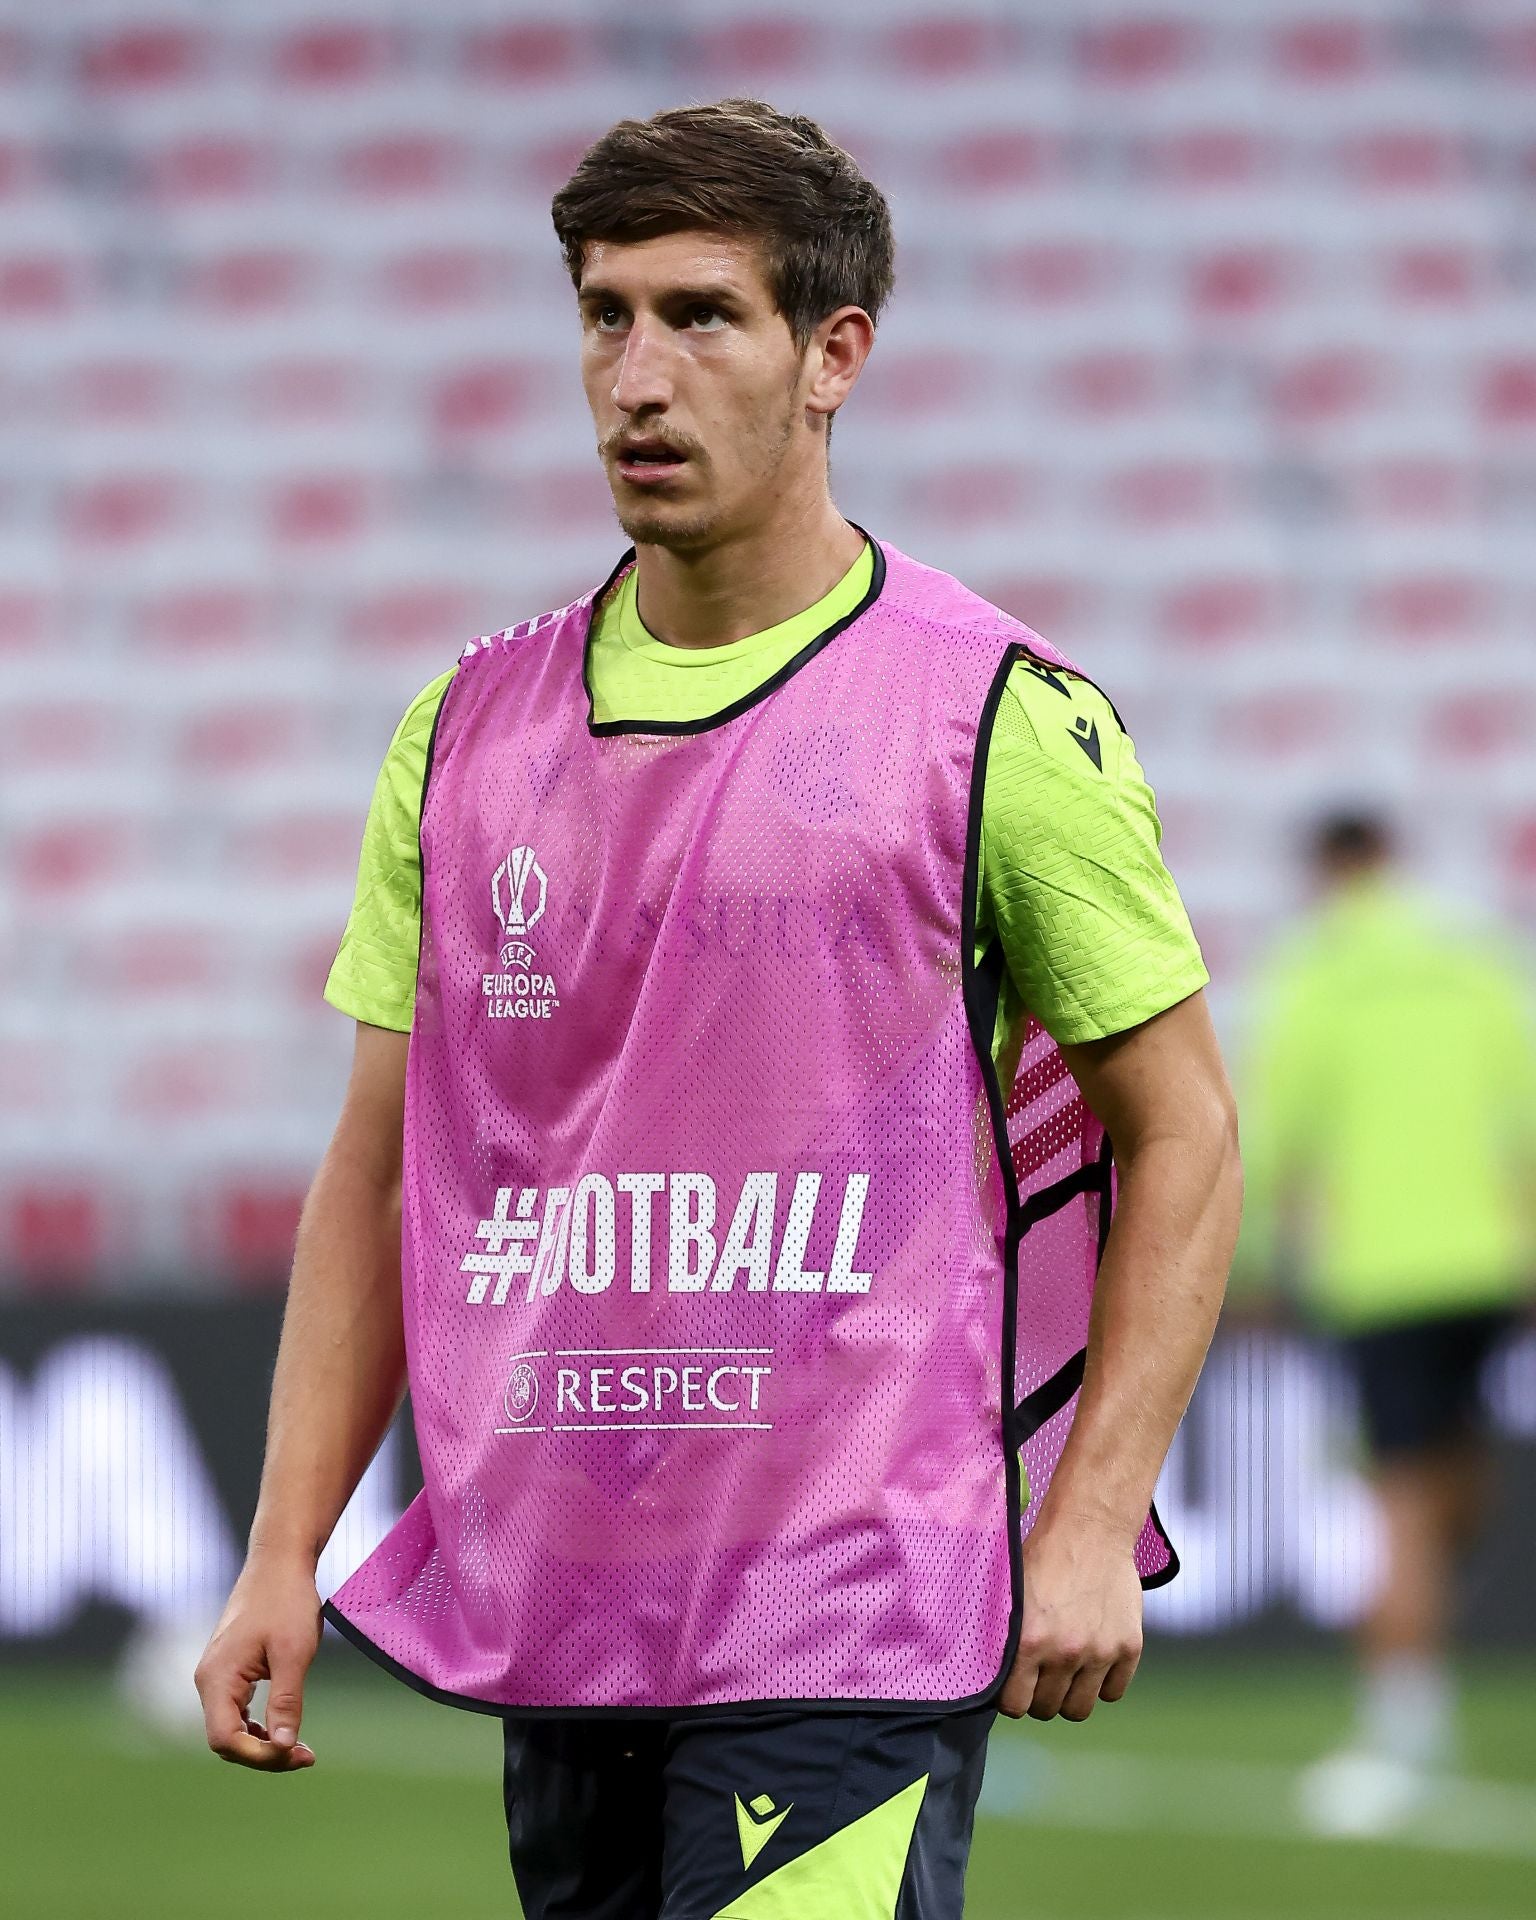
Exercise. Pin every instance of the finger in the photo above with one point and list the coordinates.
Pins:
(225, 1696)
(1019, 1688)
(1119, 1678)
(299, 1747)
(1082, 1696)
(259, 1733)
(248, 1746)
(254, 1750)
(1050, 1691)
(285, 1696)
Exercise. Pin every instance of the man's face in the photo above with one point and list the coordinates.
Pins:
(696, 388)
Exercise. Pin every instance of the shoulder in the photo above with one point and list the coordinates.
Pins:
(1490, 962)
(396, 806)
(1061, 762)
(1091, 923)
(420, 716)
(404, 768)
(560, 623)
(976, 629)
(932, 597)
(1068, 722)
(929, 599)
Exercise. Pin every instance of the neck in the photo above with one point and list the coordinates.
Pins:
(749, 581)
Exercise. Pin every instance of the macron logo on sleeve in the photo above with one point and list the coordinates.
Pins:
(1086, 733)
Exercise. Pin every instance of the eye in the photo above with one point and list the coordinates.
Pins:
(706, 319)
(607, 318)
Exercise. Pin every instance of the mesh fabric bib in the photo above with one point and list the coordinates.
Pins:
(735, 1286)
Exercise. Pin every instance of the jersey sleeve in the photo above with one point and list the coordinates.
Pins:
(373, 977)
(1072, 877)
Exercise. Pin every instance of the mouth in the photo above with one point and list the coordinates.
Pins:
(646, 463)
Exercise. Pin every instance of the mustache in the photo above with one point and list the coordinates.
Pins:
(610, 445)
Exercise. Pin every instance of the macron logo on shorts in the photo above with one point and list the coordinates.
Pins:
(756, 1824)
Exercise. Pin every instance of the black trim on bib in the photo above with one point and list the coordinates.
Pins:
(1047, 670)
(421, 851)
(1051, 1396)
(981, 984)
(1043, 1404)
(1106, 1166)
(602, 728)
(707, 1710)
(1051, 1199)
(1171, 1572)
(1048, 1399)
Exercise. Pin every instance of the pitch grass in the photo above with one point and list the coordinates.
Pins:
(1173, 1806)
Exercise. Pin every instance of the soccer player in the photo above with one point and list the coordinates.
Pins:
(1392, 1130)
(741, 916)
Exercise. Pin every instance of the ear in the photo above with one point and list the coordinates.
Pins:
(835, 358)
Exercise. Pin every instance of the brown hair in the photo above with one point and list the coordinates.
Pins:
(739, 167)
(1349, 839)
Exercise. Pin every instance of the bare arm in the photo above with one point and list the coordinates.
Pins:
(340, 1375)
(1162, 1094)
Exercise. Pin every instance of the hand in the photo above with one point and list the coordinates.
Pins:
(1081, 1639)
(269, 1631)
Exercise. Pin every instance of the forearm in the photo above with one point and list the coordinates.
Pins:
(341, 1361)
(1158, 1293)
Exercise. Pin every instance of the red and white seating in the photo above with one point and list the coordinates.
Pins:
(1211, 356)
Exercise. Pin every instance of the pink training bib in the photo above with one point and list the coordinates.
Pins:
(735, 1286)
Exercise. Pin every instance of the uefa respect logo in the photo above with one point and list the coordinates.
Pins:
(519, 895)
(521, 1396)
(638, 1390)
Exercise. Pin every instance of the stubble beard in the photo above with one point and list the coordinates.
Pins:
(654, 526)
(682, 530)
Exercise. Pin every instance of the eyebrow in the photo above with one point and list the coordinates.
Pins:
(717, 293)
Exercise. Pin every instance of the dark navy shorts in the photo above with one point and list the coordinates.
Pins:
(746, 1816)
(1420, 1383)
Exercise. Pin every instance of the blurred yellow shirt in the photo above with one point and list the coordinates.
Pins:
(1389, 1115)
(1072, 880)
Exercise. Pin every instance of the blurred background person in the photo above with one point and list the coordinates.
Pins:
(1390, 1130)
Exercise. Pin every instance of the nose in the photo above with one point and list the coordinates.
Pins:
(645, 379)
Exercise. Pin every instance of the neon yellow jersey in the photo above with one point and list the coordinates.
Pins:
(1072, 879)
(1389, 1114)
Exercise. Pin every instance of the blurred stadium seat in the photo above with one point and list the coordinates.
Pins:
(1211, 357)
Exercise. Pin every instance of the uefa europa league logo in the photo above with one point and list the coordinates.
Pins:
(518, 876)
